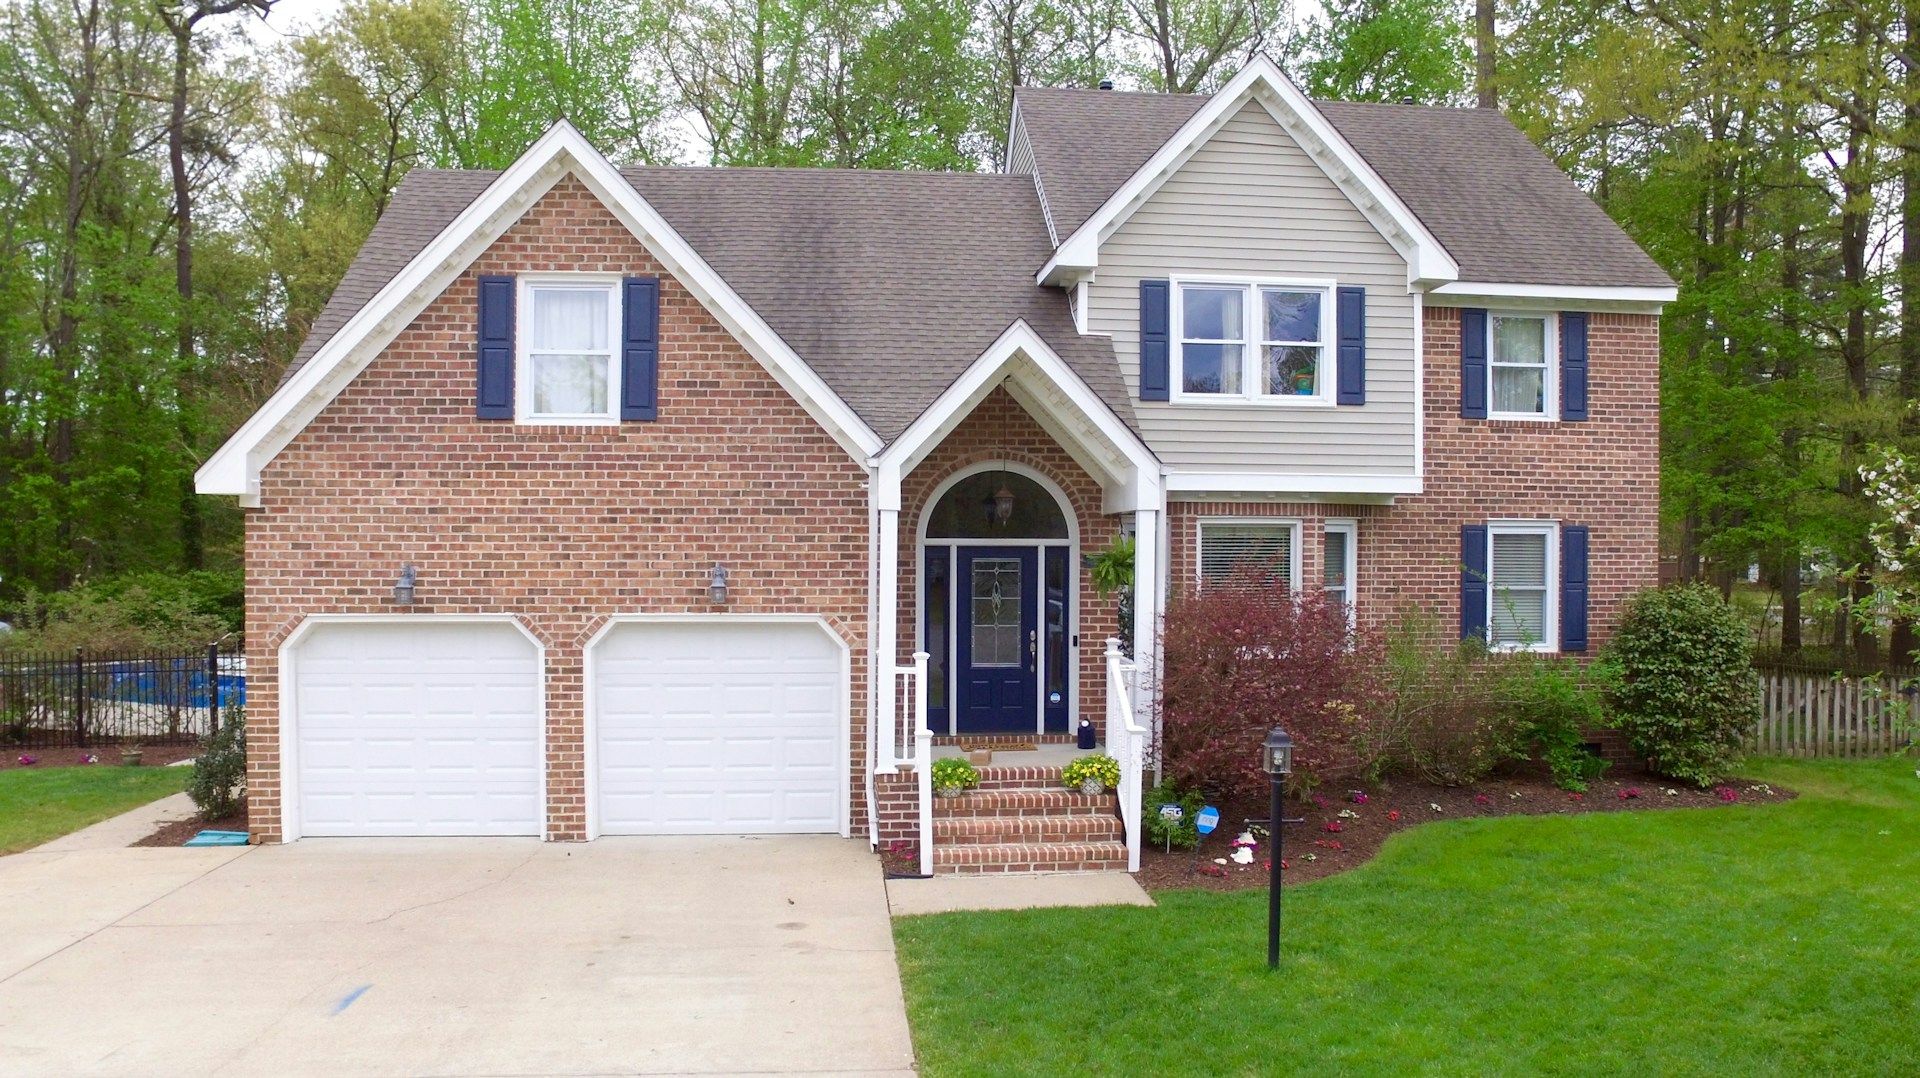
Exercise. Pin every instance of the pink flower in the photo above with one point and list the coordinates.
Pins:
(1728, 793)
(1392, 815)
(28, 761)
(1576, 797)
(1320, 801)
(1482, 799)
(1359, 797)
(88, 758)
(1629, 793)
(1335, 825)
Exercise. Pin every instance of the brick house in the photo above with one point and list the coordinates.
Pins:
(678, 501)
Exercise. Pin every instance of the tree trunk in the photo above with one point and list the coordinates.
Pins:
(191, 531)
(1484, 43)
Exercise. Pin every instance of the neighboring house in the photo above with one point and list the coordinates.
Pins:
(682, 465)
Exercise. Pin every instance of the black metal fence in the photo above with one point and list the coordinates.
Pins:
(98, 697)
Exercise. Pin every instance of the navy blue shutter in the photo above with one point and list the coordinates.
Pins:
(1352, 317)
(1154, 305)
(640, 349)
(1573, 365)
(493, 381)
(1573, 587)
(1473, 581)
(1473, 363)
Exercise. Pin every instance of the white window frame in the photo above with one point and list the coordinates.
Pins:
(523, 352)
(1252, 342)
(1550, 381)
(1292, 524)
(1550, 620)
(1350, 592)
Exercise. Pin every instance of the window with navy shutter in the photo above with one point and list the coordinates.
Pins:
(1473, 363)
(1154, 339)
(493, 382)
(1573, 587)
(1351, 378)
(640, 349)
(1573, 365)
(1473, 581)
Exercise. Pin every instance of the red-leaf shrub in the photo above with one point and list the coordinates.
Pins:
(1241, 657)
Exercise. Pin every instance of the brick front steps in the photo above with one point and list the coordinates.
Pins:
(1022, 820)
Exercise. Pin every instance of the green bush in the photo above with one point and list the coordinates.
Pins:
(134, 612)
(1162, 832)
(1448, 714)
(1687, 695)
(1555, 701)
(220, 767)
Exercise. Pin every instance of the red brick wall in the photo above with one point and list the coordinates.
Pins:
(562, 526)
(896, 807)
(999, 429)
(1603, 473)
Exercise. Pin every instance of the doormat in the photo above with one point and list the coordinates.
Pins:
(999, 745)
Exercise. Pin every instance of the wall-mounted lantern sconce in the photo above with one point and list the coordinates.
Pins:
(717, 587)
(403, 588)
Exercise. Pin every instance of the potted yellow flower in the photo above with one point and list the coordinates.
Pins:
(1092, 774)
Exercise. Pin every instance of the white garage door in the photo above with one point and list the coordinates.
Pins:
(708, 728)
(417, 727)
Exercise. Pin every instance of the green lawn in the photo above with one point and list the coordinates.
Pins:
(42, 803)
(1776, 939)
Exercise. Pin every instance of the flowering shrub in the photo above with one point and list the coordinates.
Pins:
(1687, 694)
(1243, 656)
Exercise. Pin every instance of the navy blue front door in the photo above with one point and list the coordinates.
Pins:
(995, 630)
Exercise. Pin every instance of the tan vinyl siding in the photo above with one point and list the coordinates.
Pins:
(1250, 201)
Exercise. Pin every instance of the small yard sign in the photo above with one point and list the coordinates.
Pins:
(1171, 813)
(1208, 819)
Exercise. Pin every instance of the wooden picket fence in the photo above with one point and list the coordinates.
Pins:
(1805, 711)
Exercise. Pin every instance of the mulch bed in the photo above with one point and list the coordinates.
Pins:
(105, 754)
(177, 834)
(1325, 842)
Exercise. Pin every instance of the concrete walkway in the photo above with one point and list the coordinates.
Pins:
(454, 956)
(1014, 891)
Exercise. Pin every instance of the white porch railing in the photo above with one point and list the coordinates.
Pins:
(1126, 742)
(910, 744)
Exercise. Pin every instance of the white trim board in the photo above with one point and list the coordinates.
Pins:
(1621, 300)
(235, 467)
(1358, 488)
(1261, 80)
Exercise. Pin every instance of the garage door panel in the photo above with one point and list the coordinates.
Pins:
(418, 728)
(710, 728)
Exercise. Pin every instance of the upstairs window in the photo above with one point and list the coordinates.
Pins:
(1269, 548)
(569, 370)
(1262, 342)
(1520, 367)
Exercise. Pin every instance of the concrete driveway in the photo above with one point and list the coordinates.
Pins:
(454, 956)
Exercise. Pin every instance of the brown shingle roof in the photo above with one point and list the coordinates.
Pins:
(1501, 208)
(888, 284)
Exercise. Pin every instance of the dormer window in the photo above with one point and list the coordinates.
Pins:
(1263, 342)
(568, 368)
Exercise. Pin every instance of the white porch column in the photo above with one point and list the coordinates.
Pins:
(1146, 607)
(886, 620)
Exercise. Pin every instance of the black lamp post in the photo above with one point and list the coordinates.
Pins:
(1277, 761)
